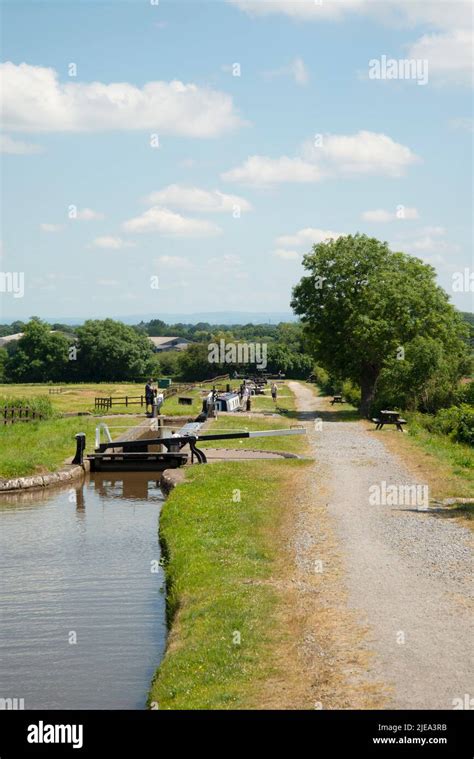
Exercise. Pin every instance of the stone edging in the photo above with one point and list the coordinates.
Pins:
(66, 474)
(170, 478)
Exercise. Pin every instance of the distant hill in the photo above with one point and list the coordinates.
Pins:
(211, 317)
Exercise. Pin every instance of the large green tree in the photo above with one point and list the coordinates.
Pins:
(38, 356)
(362, 305)
(111, 351)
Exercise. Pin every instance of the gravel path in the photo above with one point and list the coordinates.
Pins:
(408, 573)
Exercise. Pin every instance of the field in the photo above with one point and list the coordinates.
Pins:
(81, 397)
(41, 447)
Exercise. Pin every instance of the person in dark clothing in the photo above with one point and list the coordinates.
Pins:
(149, 395)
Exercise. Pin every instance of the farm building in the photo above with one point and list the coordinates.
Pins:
(162, 344)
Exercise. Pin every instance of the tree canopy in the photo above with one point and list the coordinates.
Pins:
(112, 351)
(362, 305)
(38, 356)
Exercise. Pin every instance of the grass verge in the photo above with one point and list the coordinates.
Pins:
(38, 447)
(221, 554)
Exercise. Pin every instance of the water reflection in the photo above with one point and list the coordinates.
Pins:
(81, 564)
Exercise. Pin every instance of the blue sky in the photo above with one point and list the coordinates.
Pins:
(210, 185)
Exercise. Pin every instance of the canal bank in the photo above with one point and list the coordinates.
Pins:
(221, 534)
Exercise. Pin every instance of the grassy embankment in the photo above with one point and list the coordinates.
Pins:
(28, 448)
(221, 536)
(448, 466)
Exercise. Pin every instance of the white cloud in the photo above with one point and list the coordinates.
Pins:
(435, 231)
(464, 123)
(449, 55)
(197, 199)
(228, 261)
(263, 171)
(307, 236)
(170, 224)
(380, 215)
(112, 243)
(87, 214)
(337, 155)
(296, 70)
(437, 13)
(286, 255)
(430, 245)
(33, 99)
(299, 10)
(51, 227)
(16, 147)
(173, 262)
(362, 153)
(444, 14)
(299, 71)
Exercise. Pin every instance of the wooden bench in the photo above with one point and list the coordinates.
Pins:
(389, 418)
(337, 399)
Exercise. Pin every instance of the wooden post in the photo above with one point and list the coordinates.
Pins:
(80, 448)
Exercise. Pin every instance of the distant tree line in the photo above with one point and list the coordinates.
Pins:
(108, 351)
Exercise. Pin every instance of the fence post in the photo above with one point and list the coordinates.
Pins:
(80, 448)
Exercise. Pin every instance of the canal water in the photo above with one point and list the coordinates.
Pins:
(82, 602)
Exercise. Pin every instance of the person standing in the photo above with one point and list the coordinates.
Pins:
(274, 392)
(149, 395)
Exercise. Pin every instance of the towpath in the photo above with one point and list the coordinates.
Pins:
(407, 573)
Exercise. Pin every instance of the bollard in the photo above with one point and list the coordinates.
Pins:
(80, 448)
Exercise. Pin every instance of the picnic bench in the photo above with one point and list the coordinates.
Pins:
(389, 417)
(337, 399)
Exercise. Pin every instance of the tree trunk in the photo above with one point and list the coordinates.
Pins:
(368, 382)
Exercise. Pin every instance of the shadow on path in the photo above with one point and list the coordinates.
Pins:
(339, 415)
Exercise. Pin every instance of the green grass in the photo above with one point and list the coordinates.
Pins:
(285, 400)
(38, 447)
(220, 556)
(75, 397)
(81, 397)
(459, 457)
